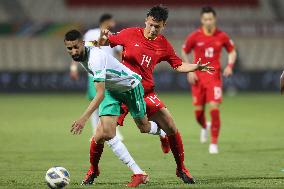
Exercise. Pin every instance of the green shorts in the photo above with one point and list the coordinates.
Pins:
(91, 90)
(133, 99)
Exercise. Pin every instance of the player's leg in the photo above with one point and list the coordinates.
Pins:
(199, 100)
(134, 100)
(96, 150)
(214, 98)
(137, 108)
(166, 122)
(153, 104)
(91, 93)
(107, 132)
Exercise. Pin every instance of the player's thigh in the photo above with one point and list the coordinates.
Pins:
(214, 94)
(153, 103)
(110, 106)
(165, 120)
(198, 96)
(134, 100)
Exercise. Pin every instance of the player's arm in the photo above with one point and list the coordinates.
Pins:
(103, 39)
(79, 124)
(232, 56)
(119, 38)
(191, 76)
(282, 83)
(187, 67)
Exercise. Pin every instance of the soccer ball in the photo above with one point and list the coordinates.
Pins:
(57, 177)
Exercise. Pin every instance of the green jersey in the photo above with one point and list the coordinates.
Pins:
(105, 68)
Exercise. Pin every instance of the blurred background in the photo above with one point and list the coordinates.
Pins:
(38, 106)
(33, 56)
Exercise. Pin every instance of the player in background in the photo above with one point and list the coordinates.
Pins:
(106, 21)
(115, 84)
(143, 49)
(207, 43)
(282, 83)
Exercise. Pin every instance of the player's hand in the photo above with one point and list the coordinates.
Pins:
(228, 72)
(282, 83)
(105, 32)
(205, 67)
(74, 75)
(77, 126)
(192, 78)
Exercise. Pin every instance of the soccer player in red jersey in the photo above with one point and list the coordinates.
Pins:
(207, 43)
(143, 49)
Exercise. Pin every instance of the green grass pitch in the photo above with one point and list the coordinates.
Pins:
(34, 136)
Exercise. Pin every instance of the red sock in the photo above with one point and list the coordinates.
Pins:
(177, 149)
(200, 118)
(215, 125)
(96, 151)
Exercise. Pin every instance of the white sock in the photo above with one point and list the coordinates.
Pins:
(95, 119)
(155, 130)
(120, 150)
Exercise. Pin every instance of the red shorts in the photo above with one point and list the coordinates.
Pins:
(208, 92)
(153, 104)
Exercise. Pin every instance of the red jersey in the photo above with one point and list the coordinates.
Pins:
(141, 55)
(209, 49)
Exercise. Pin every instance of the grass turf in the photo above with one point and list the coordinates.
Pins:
(34, 136)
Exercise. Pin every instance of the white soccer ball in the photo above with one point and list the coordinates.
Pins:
(57, 177)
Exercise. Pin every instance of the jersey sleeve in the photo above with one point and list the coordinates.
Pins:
(119, 38)
(188, 43)
(97, 65)
(171, 57)
(118, 48)
(228, 43)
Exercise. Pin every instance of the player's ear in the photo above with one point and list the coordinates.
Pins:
(83, 43)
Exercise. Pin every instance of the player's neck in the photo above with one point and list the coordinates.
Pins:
(208, 31)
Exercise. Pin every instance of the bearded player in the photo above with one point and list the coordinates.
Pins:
(207, 43)
(143, 49)
(106, 21)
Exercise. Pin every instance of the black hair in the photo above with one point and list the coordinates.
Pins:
(105, 17)
(159, 13)
(72, 35)
(208, 9)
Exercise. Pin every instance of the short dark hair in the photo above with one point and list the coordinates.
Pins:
(105, 17)
(208, 9)
(73, 35)
(159, 13)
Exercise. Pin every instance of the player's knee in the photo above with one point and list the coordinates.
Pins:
(199, 108)
(171, 129)
(144, 128)
(214, 106)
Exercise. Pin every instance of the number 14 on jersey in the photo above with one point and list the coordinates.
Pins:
(146, 60)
